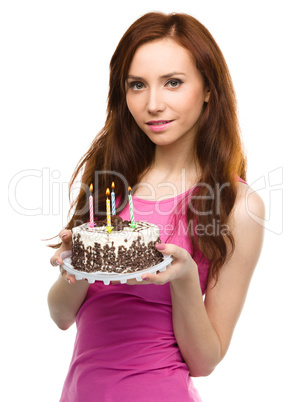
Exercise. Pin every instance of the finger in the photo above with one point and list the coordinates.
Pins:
(70, 278)
(66, 236)
(56, 260)
(171, 249)
(135, 282)
(159, 278)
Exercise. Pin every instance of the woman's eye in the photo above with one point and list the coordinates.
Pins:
(136, 85)
(174, 83)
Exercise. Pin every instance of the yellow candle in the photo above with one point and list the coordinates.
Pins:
(109, 227)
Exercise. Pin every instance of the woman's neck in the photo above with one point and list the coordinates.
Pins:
(172, 160)
(171, 173)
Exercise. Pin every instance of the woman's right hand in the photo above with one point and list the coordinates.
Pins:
(66, 238)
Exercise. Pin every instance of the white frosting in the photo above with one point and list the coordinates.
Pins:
(146, 231)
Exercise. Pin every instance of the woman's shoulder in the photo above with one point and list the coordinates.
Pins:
(249, 206)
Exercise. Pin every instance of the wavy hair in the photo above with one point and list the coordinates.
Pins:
(217, 145)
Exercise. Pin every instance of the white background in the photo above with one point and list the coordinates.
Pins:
(54, 81)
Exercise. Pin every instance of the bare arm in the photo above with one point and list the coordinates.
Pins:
(204, 329)
(65, 298)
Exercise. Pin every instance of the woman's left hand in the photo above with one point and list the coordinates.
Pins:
(183, 267)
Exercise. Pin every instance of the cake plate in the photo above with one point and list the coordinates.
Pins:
(105, 277)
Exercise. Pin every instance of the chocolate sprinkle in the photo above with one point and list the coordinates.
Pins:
(107, 259)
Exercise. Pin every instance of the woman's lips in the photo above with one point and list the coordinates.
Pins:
(158, 125)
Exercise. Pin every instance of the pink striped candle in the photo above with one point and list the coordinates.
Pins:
(91, 224)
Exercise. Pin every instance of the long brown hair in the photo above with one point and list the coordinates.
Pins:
(122, 147)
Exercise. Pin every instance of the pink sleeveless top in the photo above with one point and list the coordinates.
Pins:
(125, 348)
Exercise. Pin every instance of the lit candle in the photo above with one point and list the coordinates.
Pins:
(91, 224)
(109, 227)
(113, 198)
(133, 224)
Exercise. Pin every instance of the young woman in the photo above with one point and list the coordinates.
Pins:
(171, 134)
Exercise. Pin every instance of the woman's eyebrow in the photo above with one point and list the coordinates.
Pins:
(174, 73)
(169, 75)
(134, 77)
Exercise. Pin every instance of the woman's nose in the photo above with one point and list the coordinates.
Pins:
(155, 102)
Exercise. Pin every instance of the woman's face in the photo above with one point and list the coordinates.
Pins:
(165, 92)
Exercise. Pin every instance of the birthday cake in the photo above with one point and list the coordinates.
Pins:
(122, 250)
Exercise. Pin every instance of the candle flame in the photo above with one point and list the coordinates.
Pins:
(91, 187)
(129, 189)
(113, 185)
(108, 192)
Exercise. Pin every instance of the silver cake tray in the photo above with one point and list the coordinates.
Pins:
(107, 277)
